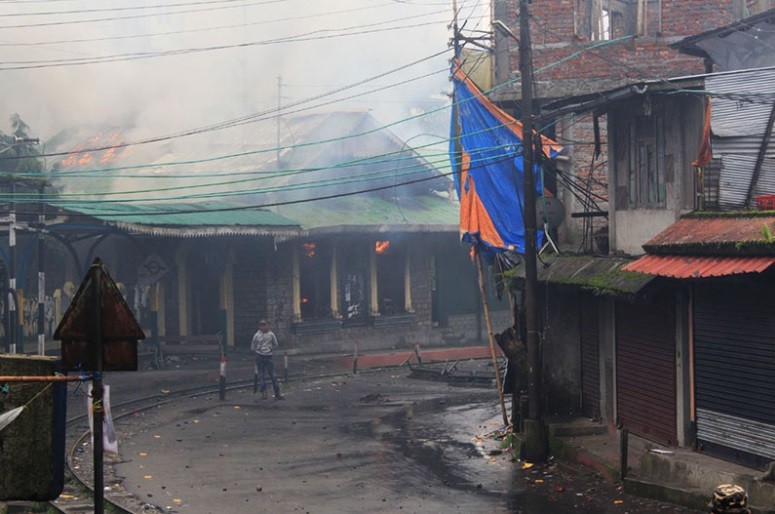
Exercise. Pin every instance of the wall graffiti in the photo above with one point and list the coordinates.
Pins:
(56, 305)
(30, 318)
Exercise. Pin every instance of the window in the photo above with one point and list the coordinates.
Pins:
(753, 7)
(354, 282)
(314, 274)
(646, 175)
(391, 262)
(601, 26)
(601, 20)
(648, 17)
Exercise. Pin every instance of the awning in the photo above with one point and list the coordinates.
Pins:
(683, 266)
(601, 275)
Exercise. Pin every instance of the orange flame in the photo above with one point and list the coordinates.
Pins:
(309, 249)
(381, 247)
(79, 158)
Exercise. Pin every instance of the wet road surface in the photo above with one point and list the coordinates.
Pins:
(377, 442)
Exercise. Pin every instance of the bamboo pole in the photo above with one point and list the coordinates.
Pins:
(490, 336)
(32, 378)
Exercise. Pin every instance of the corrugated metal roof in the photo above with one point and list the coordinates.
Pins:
(360, 212)
(678, 266)
(731, 117)
(746, 145)
(602, 275)
(189, 219)
(716, 235)
(735, 179)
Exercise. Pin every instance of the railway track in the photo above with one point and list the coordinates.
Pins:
(78, 494)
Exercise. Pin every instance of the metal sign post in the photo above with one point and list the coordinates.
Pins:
(98, 333)
(98, 409)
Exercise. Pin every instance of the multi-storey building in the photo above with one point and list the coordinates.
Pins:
(584, 47)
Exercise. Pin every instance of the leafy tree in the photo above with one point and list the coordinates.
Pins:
(18, 153)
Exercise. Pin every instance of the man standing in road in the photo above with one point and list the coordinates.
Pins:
(264, 341)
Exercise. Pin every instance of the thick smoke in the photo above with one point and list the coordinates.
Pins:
(170, 94)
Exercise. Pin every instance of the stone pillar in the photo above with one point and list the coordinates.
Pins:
(227, 300)
(374, 298)
(296, 284)
(160, 308)
(333, 280)
(183, 290)
(408, 282)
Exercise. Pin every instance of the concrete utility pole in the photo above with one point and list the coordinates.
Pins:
(98, 392)
(279, 106)
(536, 446)
(42, 274)
(13, 315)
(14, 330)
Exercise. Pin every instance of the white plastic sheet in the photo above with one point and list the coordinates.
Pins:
(109, 437)
(7, 418)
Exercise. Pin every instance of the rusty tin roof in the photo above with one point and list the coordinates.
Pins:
(747, 234)
(691, 266)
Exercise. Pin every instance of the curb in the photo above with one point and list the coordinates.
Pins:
(692, 499)
(564, 451)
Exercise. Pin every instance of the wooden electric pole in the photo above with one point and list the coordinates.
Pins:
(536, 447)
(279, 108)
(97, 393)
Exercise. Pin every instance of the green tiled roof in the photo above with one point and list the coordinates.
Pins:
(360, 212)
(190, 214)
(188, 219)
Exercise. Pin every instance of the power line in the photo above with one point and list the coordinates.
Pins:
(277, 204)
(250, 118)
(115, 9)
(81, 61)
(104, 148)
(421, 164)
(137, 16)
(204, 29)
(262, 115)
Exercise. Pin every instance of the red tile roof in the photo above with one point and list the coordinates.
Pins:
(714, 235)
(676, 266)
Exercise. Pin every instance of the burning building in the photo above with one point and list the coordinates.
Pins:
(342, 233)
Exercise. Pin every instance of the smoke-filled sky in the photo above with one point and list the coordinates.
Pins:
(169, 94)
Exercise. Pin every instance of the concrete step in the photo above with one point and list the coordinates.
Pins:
(576, 429)
(698, 472)
(687, 497)
(690, 497)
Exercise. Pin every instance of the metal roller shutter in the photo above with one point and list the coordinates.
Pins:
(645, 369)
(734, 360)
(590, 358)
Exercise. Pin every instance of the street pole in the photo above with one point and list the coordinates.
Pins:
(41, 275)
(13, 316)
(536, 446)
(279, 106)
(14, 331)
(98, 408)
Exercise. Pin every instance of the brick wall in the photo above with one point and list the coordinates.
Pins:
(577, 135)
(420, 263)
(269, 283)
(171, 300)
(556, 36)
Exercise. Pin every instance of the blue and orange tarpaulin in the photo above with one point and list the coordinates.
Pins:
(489, 176)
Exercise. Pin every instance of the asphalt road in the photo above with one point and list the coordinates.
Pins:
(377, 442)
